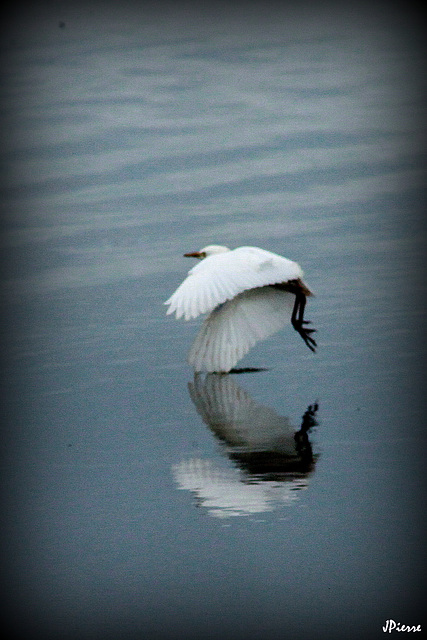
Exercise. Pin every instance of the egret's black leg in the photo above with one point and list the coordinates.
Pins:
(298, 321)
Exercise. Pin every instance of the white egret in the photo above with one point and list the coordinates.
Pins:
(249, 294)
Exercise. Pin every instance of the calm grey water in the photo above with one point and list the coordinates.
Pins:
(143, 502)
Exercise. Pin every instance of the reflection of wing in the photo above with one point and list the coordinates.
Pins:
(236, 418)
(234, 327)
(271, 460)
(224, 494)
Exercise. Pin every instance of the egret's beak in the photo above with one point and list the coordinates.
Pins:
(194, 254)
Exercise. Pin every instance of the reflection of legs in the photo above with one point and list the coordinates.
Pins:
(302, 443)
(298, 321)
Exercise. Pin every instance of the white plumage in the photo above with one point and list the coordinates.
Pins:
(221, 276)
(233, 328)
(250, 294)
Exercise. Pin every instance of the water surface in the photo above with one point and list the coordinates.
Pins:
(143, 501)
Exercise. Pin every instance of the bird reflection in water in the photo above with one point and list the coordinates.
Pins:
(272, 461)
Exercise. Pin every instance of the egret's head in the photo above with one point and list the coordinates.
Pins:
(210, 250)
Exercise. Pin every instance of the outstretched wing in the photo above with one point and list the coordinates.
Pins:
(233, 328)
(222, 276)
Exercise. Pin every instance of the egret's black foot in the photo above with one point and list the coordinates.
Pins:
(305, 333)
(298, 321)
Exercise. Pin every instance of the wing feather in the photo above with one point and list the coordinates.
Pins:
(233, 328)
(223, 276)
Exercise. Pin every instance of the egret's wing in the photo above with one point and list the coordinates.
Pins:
(222, 276)
(236, 326)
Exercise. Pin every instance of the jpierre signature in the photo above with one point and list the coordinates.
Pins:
(391, 625)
